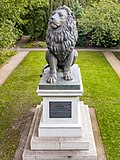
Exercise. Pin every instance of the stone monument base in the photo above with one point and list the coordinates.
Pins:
(61, 148)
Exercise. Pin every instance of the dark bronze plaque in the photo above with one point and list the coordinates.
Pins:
(60, 110)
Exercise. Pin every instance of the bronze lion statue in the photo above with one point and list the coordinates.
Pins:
(61, 40)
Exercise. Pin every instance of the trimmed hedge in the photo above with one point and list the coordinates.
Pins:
(5, 55)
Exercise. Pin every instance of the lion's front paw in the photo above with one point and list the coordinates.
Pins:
(51, 80)
(68, 77)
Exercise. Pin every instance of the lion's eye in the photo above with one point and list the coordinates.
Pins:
(61, 15)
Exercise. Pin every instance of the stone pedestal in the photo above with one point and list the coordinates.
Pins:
(60, 118)
(61, 111)
(61, 126)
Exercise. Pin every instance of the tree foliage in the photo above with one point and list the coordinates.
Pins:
(12, 17)
(53, 4)
(102, 22)
(10, 11)
(35, 20)
(78, 10)
(98, 21)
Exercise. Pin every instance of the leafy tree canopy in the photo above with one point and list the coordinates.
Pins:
(11, 17)
(102, 20)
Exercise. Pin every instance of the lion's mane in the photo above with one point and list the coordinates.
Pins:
(62, 40)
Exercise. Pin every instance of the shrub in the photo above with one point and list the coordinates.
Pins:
(102, 22)
(78, 12)
(8, 33)
(35, 19)
(12, 13)
(5, 54)
(35, 23)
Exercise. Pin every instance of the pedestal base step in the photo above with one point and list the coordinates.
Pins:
(59, 155)
(58, 143)
(61, 148)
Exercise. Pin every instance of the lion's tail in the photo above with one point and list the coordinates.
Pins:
(46, 66)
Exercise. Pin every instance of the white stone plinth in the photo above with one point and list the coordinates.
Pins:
(60, 127)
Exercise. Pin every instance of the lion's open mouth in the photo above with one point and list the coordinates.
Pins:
(54, 25)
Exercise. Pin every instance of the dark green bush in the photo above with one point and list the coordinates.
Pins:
(35, 22)
(83, 40)
(78, 10)
(98, 22)
(101, 22)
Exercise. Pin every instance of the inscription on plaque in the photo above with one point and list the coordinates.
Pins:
(60, 110)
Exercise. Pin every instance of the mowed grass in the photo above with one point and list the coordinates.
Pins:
(17, 96)
(101, 91)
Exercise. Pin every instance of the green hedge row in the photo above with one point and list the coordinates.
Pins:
(98, 21)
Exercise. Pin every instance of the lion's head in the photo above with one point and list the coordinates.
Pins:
(62, 32)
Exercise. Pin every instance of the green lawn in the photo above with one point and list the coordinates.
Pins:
(17, 96)
(35, 44)
(117, 54)
(101, 91)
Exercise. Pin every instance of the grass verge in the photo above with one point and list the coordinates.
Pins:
(35, 44)
(101, 91)
(117, 54)
(17, 96)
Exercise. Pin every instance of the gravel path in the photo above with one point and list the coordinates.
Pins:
(78, 49)
(7, 69)
(114, 62)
